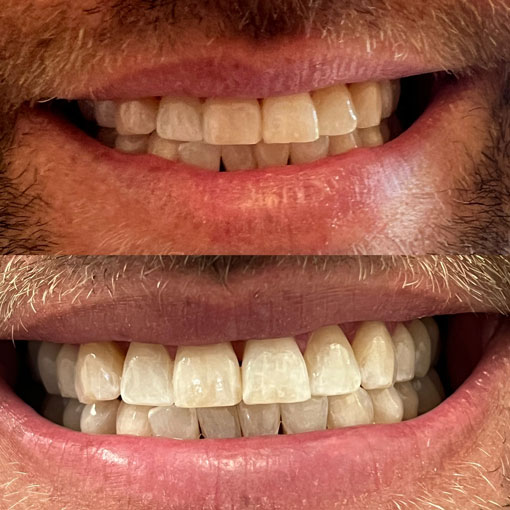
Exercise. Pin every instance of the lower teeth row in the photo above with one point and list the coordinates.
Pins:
(381, 377)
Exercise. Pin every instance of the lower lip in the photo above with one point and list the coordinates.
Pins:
(315, 470)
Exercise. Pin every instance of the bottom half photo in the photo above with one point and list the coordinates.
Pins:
(165, 383)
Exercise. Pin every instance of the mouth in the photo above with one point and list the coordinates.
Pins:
(368, 375)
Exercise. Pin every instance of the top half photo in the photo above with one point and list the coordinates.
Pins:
(243, 127)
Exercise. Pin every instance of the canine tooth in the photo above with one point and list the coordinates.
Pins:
(136, 117)
(409, 399)
(388, 406)
(200, 154)
(207, 376)
(100, 417)
(107, 137)
(272, 154)
(344, 143)
(133, 420)
(428, 394)
(301, 153)
(167, 149)
(66, 370)
(33, 354)
(305, 416)
(289, 119)
(72, 414)
(349, 410)
(219, 422)
(47, 365)
(332, 367)
(386, 98)
(147, 376)
(274, 371)
(367, 101)
(371, 137)
(403, 344)
(105, 112)
(335, 111)
(98, 372)
(229, 121)
(423, 347)
(373, 349)
(259, 420)
(180, 118)
(174, 422)
(132, 144)
(238, 157)
(53, 408)
(433, 331)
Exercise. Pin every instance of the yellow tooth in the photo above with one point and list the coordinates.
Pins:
(349, 410)
(72, 414)
(429, 396)
(403, 344)
(53, 408)
(174, 422)
(180, 118)
(385, 130)
(272, 154)
(66, 370)
(87, 109)
(371, 137)
(367, 101)
(302, 153)
(201, 155)
(47, 365)
(305, 416)
(107, 136)
(409, 399)
(136, 117)
(132, 144)
(386, 98)
(219, 422)
(388, 406)
(436, 380)
(395, 89)
(238, 157)
(167, 149)
(343, 143)
(259, 420)
(335, 111)
(100, 417)
(433, 331)
(105, 112)
(422, 346)
(133, 420)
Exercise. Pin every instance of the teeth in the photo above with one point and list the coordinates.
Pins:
(180, 118)
(219, 422)
(433, 331)
(335, 111)
(403, 344)
(47, 365)
(386, 98)
(371, 137)
(33, 354)
(305, 416)
(53, 408)
(147, 376)
(367, 103)
(207, 376)
(423, 347)
(274, 371)
(174, 422)
(201, 155)
(132, 144)
(373, 349)
(388, 406)
(332, 367)
(166, 149)
(100, 418)
(301, 153)
(395, 90)
(232, 121)
(66, 370)
(272, 154)
(349, 410)
(98, 372)
(87, 109)
(105, 112)
(238, 157)
(409, 399)
(72, 414)
(385, 130)
(133, 420)
(343, 143)
(259, 420)
(107, 137)
(136, 117)
(289, 119)
(429, 395)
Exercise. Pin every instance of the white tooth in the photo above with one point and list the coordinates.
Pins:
(201, 155)
(107, 136)
(219, 422)
(403, 344)
(167, 149)
(272, 154)
(349, 410)
(436, 380)
(238, 157)
(274, 372)
(87, 109)
(386, 98)
(230, 121)
(395, 88)
(133, 420)
(433, 331)
(259, 420)
(422, 346)
(98, 372)
(53, 408)
(371, 137)
(332, 367)
(373, 349)
(66, 370)
(288, 119)
(343, 143)
(105, 112)
(174, 422)
(207, 376)
(100, 417)
(33, 354)
(428, 394)
(335, 110)
(409, 399)
(137, 117)
(47, 365)
(180, 118)
(147, 376)
(72, 414)
(367, 101)
(305, 416)
(132, 144)
(388, 406)
(302, 153)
